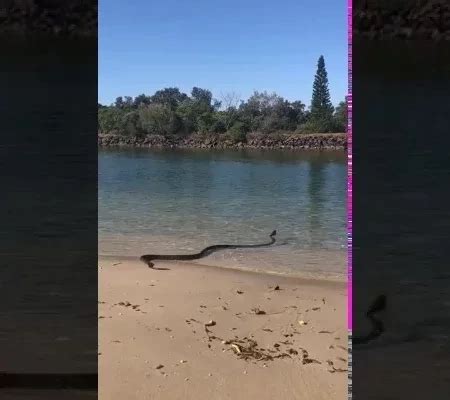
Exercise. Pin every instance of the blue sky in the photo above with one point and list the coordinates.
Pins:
(224, 46)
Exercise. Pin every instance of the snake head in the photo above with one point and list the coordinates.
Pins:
(273, 233)
(145, 260)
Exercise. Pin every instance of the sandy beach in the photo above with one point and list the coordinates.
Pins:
(190, 331)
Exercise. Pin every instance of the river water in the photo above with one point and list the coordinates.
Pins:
(160, 201)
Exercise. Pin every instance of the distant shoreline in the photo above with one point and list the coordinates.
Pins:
(279, 141)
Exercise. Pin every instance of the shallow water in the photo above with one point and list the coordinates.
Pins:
(182, 201)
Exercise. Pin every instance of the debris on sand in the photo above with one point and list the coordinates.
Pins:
(236, 348)
(208, 332)
(257, 311)
(310, 361)
(301, 322)
(128, 304)
(159, 366)
(333, 370)
(239, 292)
(276, 288)
(247, 349)
(307, 360)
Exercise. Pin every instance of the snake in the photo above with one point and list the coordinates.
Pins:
(149, 258)
(379, 304)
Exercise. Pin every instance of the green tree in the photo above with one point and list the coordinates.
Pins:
(169, 111)
(340, 116)
(109, 120)
(269, 113)
(187, 114)
(229, 114)
(119, 103)
(130, 123)
(203, 96)
(299, 112)
(128, 102)
(321, 107)
(256, 112)
(171, 97)
(197, 113)
(158, 119)
(237, 133)
(141, 99)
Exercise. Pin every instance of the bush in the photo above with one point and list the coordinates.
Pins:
(218, 126)
(318, 126)
(130, 124)
(158, 119)
(170, 112)
(238, 133)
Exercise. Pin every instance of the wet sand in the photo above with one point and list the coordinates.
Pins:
(201, 332)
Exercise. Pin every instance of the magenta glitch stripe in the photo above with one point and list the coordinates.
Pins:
(349, 172)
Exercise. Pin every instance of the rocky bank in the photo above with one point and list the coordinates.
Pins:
(330, 141)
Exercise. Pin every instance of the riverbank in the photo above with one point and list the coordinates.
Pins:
(197, 332)
(325, 141)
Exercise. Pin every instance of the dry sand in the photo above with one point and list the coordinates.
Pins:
(153, 343)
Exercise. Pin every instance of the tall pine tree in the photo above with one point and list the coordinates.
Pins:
(321, 107)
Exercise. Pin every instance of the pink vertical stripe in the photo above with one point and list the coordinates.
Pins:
(349, 171)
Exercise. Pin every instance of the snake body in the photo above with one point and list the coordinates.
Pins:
(378, 305)
(149, 258)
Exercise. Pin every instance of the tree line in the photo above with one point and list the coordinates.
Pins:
(171, 112)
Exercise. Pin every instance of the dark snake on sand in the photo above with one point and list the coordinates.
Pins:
(148, 258)
(378, 305)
